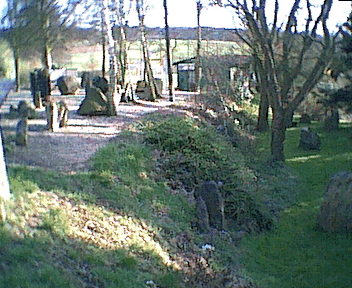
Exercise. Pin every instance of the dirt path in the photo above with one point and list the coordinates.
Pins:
(70, 149)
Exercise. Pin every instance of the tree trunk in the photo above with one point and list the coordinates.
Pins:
(103, 42)
(17, 69)
(148, 67)
(112, 94)
(263, 114)
(278, 136)
(123, 54)
(199, 43)
(168, 56)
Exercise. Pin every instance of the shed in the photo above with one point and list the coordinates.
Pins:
(220, 71)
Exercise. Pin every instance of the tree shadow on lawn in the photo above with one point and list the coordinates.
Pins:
(44, 259)
(315, 167)
(298, 254)
(78, 256)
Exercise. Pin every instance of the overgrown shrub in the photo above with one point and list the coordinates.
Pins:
(191, 151)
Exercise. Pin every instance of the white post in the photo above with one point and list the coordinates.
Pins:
(4, 182)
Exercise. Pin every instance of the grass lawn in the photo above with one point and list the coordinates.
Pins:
(296, 253)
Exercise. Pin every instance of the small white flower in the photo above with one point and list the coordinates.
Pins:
(150, 283)
(208, 247)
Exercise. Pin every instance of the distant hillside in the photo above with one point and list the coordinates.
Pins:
(178, 33)
(185, 33)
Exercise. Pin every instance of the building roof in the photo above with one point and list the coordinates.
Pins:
(227, 60)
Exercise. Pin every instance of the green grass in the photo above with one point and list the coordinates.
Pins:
(297, 254)
(120, 224)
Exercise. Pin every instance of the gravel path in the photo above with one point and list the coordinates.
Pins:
(69, 149)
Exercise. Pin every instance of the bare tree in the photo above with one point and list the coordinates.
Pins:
(122, 11)
(47, 23)
(282, 53)
(16, 34)
(112, 95)
(168, 55)
(141, 11)
(199, 44)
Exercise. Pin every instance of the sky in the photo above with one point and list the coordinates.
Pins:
(182, 13)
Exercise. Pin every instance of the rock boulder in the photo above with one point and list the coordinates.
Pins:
(95, 103)
(335, 213)
(67, 85)
(309, 140)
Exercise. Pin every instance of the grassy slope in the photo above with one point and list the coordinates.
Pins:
(115, 226)
(297, 254)
(75, 234)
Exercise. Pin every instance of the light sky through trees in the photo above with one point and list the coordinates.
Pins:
(182, 13)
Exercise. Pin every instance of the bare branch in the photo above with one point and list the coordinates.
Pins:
(292, 21)
(310, 18)
(276, 12)
(324, 14)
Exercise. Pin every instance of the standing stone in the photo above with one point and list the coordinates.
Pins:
(305, 119)
(63, 113)
(94, 104)
(37, 99)
(331, 121)
(202, 215)
(309, 140)
(211, 195)
(335, 213)
(101, 83)
(22, 131)
(52, 116)
(86, 80)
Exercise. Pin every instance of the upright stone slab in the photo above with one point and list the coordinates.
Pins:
(52, 116)
(21, 132)
(101, 83)
(335, 213)
(305, 119)
(309, 140)
(63, 113)
(202, 215)
(37, 99)
(211, 195)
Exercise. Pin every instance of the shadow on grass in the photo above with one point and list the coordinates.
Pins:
(61, 258)
(298, 254)
(44, 260)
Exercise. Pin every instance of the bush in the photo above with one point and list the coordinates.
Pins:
(191, 152)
